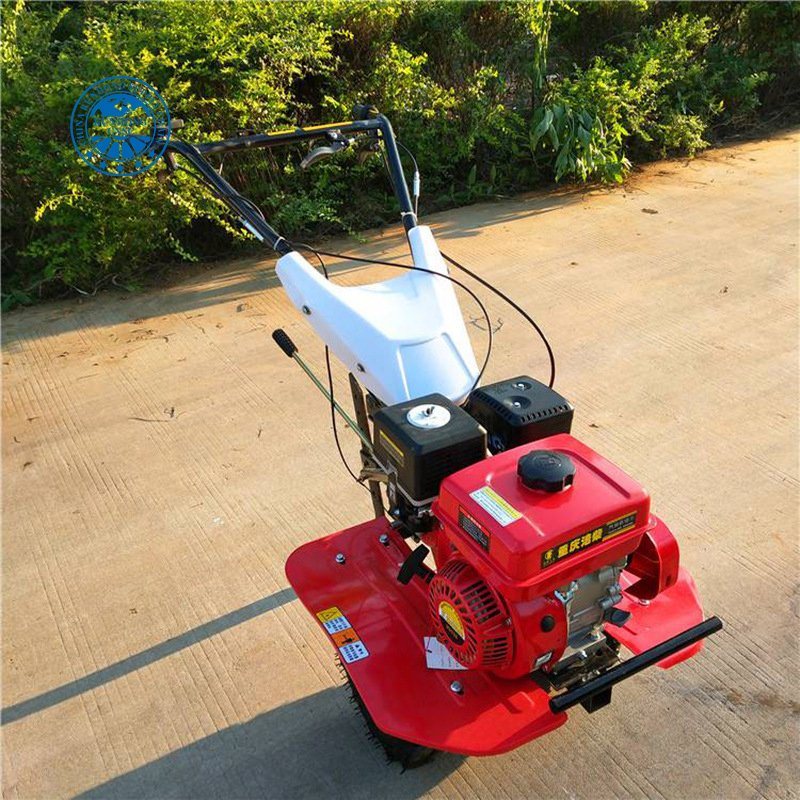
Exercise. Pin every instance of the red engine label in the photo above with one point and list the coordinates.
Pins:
(578, 543)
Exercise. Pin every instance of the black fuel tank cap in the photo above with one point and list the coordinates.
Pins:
(546, 470)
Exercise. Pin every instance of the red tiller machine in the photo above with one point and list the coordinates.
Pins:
(507, 564)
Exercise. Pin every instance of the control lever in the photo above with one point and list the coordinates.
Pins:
(413, 565)
(285, 343)
(318, 153)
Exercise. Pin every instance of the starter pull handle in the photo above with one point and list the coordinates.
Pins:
(413, 566)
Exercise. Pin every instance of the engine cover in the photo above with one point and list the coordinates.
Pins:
(525, 541)
(536, 536)
(469, 617)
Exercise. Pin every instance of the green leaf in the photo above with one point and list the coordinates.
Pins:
(542, 127)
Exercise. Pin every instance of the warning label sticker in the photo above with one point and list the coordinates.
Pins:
(392, 449)
(491, 502)
(342, 634)
(476, 531)
(344, 637)
(333, 620)
(436, 655)
(354, 651)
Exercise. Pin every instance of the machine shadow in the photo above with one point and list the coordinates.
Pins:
(144, 658)
(310, 748)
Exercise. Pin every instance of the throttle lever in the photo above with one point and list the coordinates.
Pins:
(319, 153)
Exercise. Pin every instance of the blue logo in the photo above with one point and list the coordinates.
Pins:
(120, 126)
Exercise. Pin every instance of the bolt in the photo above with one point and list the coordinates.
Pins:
(456, 687)
(306, 310)
(384, 540)
(340, 559)
(360, 367)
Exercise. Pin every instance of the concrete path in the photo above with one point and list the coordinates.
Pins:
(161, 458)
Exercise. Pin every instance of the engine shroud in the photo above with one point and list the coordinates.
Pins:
(470, 617)
(527, 547)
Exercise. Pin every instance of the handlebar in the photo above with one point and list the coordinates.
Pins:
(366, 121)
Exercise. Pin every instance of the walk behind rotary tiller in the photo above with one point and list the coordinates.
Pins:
(514, 562)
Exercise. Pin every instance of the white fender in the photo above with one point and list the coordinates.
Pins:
(402, 338)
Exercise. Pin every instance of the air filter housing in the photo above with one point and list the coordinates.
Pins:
(423, 441)
(469, 617)
(519, 411)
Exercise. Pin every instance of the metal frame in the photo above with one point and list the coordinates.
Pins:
(368, 123)
(376, 125)
(596, 693)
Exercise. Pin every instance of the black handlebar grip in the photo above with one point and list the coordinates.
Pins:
(284, 342)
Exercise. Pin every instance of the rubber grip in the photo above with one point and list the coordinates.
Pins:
(284, 342)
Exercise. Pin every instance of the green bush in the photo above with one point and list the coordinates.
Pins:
(492, 98)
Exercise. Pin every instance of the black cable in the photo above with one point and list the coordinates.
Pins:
(198, 176)
(484, 283)
(416, 175)
(410, 154)
(517, 308)
(319, 254)
(524, 314)
(330, 383)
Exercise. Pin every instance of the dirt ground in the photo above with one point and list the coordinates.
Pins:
(161, 458)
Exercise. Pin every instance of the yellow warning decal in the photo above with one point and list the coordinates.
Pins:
(324, 125)
(342, 634)
(394, 451)
(491, 502)
(331, 125)
(333, 620)
(453, 625)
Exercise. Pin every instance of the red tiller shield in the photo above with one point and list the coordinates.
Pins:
(377, 625)
(404, 697)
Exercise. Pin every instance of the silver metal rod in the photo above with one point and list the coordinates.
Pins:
(345, 416)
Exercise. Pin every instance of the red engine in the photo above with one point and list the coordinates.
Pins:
(547, 562)
(530, 556)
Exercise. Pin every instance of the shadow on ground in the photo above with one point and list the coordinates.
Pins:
(144, 658)
(307, 749)
(236, 280)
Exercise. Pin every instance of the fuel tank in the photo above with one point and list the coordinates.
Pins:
(528, 534)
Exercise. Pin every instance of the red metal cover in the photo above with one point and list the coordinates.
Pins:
(377, 626)
(674, 610)
(383, 629)
(523, 537)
